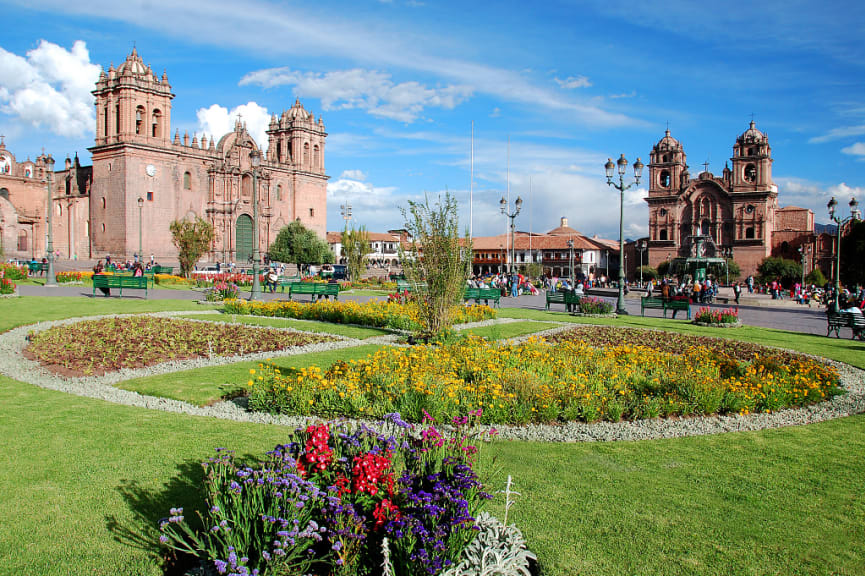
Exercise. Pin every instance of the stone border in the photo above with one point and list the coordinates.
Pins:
(14, 365)
(736, 324)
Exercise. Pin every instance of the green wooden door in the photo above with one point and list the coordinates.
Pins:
(243, 238)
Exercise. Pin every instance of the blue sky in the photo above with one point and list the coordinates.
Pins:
(399, 83)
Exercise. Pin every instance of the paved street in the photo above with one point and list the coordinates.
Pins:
(756, 310)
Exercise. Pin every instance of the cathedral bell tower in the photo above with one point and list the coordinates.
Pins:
(667, 166)
(132, 104)
(752, 162)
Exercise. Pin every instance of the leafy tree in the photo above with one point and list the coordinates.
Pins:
(853, 255)
(648, 273)
(663, 268)
(721, 273)
(298, 244)
(816, 278)
(534, 270)
(437, 257)
(355, 247)
(192, 239)
(789, 271)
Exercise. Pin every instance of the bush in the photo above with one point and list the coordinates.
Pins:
(647, 273)
(592, 305)
(816, 278)
(7, 286)
(773, 268)
(13, 272)
(324, 503)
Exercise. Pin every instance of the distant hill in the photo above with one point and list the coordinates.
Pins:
(828, 228)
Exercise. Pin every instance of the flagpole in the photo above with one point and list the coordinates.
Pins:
(472, 183)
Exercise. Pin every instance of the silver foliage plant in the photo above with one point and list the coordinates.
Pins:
(497, 550)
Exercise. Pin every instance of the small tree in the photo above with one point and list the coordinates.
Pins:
(437, 257)
(648, 273)
(773, 268)
(298, 244)
(192, 238)
(534, 271)
(816, 278)
(663, 268)
(355, 247)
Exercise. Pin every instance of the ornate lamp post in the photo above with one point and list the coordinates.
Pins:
(51, 279)
(610, 169)
(642, 246)
(571, 263)
(255, 160)
(804, 252)
(517, 205)
(854, 215)
(140, 206)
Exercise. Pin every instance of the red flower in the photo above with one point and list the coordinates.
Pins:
(384, 511)
(318, 453)
(371, 472)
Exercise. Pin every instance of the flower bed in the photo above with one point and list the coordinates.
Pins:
(221, 291)
(172, 280)
(589, 305)
(706, 316)
(73, 276)
(7, 287)
(403, 316)
(542, 382)
(335, 502)
(13, 272)
(109, 344)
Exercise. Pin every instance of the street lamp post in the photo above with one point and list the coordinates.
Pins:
(642, 246)
(854, 215)
(622, 168)
(571, 263)
(517, 205)
(255, 160)
(51, 279)
(140, 206)
(803, 252)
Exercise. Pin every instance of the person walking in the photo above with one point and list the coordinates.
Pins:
(737, 291)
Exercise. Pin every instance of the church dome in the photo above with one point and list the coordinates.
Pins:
(752, 135)
(132, 65)
(297, 112)
(667, 143)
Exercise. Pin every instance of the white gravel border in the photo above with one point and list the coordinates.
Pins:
(14, 365)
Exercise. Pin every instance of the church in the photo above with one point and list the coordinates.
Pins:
(735, 214)
(142, 179)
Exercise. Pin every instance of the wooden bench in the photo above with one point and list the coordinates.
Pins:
(405, 286)
(659, 303)
(837, 320)
(121, 282)
(40, 267)
(314, 289)
(162, 269)
(287, 282)
(566, 297)
(485, 294)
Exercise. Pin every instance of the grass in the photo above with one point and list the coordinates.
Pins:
(359, 332)
(844, 350)
(509, 330)
(203, 386)
(85, 481)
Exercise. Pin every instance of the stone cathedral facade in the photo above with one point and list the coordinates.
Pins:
(142, 178)
(736, 212)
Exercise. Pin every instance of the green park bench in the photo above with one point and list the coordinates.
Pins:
(404, 286)
(837, 320)
(120, 282)
(568, 298)
(485, 294)
(287, 282)
(676, 304)
(314, 289)
(34, 267)
(162, 269)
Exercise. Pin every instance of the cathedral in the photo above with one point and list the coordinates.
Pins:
(142, 179)
(735, 214)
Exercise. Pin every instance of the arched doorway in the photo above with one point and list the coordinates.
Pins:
(243, 238)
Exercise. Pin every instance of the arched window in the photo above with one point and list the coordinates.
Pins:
(22, 241)
(279, 151)
(117, 119)
(664, 180)
(59, 210)
(28, 172)
(103, 227)
(139, 119)
(279, 192)
(156, 124)
(750, 173)
(187, 181)
(316, 158)
(663, 234)
(246, 186)
(69, 186)
(705, 228)
(306, 154)
(103, 202)
(4, 193)
(749, 232)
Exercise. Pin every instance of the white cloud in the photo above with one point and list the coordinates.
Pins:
(216, 121)
(50, 87)
(572, 82)
(368, 90)
(354, 175)
(377, 208)
(815, 196)
(839, 133)
(630, 94)
(857, 149)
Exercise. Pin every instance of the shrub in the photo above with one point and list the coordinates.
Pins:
(324, 502)
(13, 272)
(708, 315)
(592, 305)
(7, 286)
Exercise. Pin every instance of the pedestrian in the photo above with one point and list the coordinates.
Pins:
(737, 291)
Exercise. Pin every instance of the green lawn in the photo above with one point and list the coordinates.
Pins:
(203, 386)
(509, 330)
(358, 332)
(84, 482)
